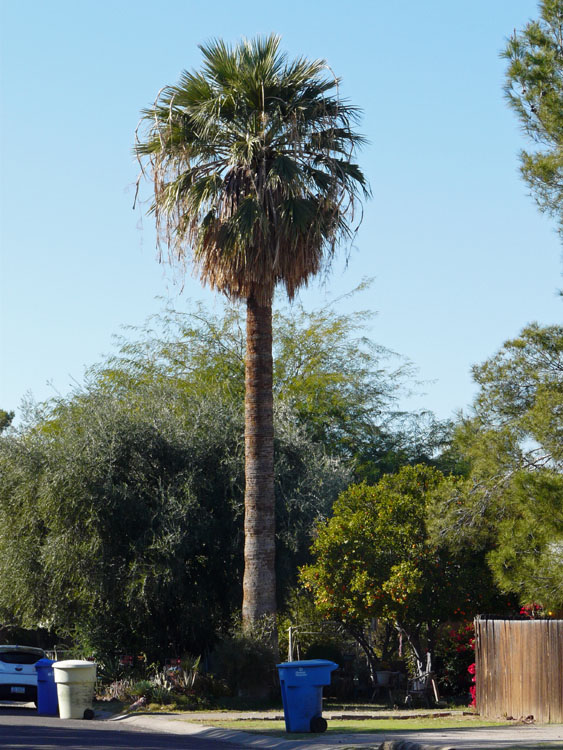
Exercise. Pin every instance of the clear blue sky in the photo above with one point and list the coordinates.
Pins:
(461, 257)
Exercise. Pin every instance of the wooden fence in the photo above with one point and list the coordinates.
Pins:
(519, 668)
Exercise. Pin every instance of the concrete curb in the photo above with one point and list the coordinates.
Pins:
(440, 739)
(407, 745)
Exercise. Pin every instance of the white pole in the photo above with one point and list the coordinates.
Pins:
(290, 645)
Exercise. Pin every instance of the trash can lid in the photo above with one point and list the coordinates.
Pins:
(74, 663)
(308, 663)
(44, 662)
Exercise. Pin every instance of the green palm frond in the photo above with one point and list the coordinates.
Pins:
(252, 164)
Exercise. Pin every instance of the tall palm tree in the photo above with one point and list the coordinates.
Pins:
(254, 183)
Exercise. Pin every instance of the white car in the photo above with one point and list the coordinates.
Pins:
(18, 678)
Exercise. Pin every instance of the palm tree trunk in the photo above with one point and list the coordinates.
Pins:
(259, 583)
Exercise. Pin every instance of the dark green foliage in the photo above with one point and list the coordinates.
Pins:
(246, 661)
(113, 522)
(122, 519)
(511, 505)
(528, 556)
(534, 89)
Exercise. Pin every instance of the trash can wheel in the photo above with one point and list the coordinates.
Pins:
(88, 713)
(318, 724)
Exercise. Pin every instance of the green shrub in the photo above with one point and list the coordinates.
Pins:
(160, 694)
(141, 689)
(246, 660)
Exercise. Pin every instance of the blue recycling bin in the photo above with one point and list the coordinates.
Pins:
(302, 685)
(47, 700)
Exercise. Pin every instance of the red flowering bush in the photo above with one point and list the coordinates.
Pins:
(472, 687)
(532, 610)
(454, 654)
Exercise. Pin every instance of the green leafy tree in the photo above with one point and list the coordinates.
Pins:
(121, 515)
(113, 517)
(336, 378)
(345, 389)
(374, 559)
(153, 443)
(253, 180)
(511, 505)
(341, 386)
(334, 389)
(534, 89)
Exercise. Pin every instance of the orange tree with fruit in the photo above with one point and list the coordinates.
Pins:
(374, 559)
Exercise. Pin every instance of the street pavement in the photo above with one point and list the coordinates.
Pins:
(22, 729)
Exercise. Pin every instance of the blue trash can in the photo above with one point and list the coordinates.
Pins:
(47, 700)
(302, 693)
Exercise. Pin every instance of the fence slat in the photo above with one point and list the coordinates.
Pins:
(519, 668)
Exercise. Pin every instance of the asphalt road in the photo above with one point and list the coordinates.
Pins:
(22, 729)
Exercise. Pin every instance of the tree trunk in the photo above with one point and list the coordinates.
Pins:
(365, 642)
(413, 639)
(259, 583)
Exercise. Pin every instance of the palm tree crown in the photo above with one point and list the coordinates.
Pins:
(252, 170)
